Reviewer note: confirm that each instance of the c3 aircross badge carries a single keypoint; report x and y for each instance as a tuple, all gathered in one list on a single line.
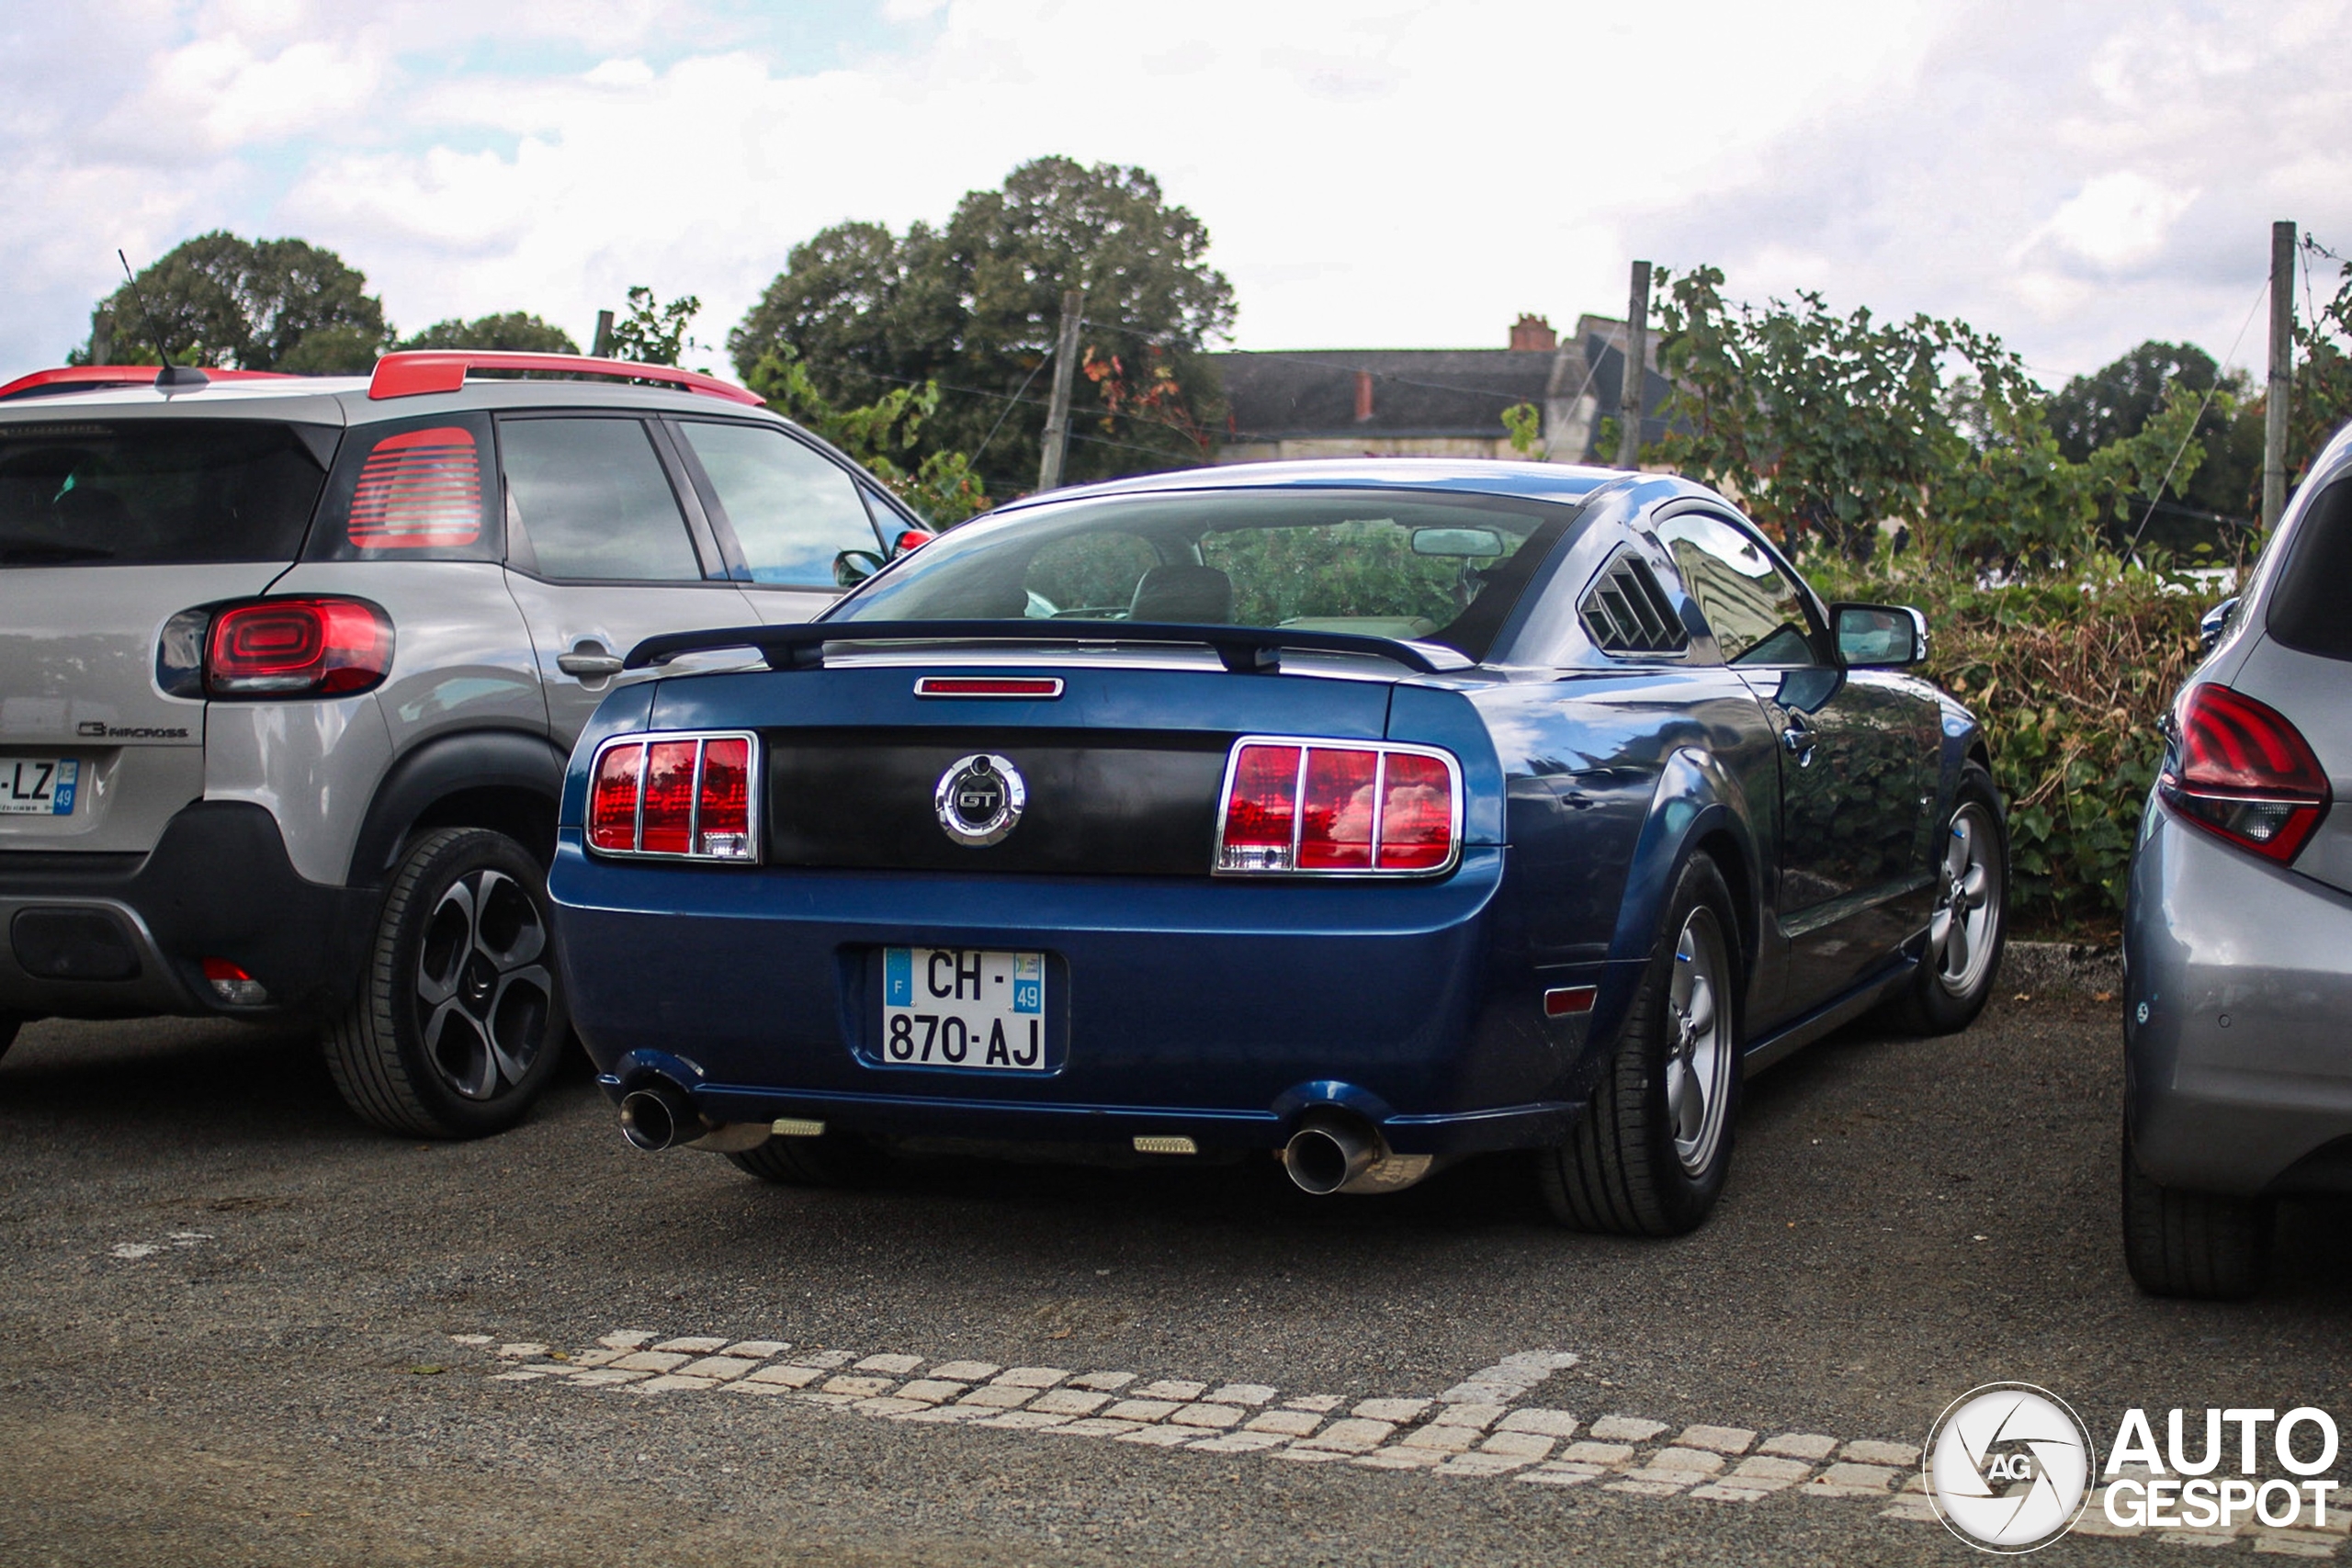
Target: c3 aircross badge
[(979, 799)]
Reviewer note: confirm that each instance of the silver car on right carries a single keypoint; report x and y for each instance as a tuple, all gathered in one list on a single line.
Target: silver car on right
[(2237, 937)]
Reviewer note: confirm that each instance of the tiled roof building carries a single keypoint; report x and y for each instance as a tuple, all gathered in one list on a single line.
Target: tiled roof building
[(1444, 402)]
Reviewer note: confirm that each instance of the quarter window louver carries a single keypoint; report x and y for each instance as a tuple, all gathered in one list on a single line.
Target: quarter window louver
[(419, 489), (1625, 611)]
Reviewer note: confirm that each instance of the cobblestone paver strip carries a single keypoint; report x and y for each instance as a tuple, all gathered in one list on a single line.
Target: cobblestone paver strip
[(1475, 1429)]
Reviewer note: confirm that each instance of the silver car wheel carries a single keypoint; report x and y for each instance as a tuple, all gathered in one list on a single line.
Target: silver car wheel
[(1968, 901), (1699, 1055), (484, 990)]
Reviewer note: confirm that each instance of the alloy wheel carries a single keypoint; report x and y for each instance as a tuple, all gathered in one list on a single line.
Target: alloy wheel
[(483, 990), (1699, 1055), (1968, 901)]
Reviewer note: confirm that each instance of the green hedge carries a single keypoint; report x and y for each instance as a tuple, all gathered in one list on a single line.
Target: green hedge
[(2070, 682)]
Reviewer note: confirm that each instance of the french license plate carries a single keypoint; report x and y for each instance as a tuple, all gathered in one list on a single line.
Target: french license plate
[(964, 1007), (37, 787)]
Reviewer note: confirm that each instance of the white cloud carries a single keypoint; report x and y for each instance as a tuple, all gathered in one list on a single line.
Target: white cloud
[(2116, 222), (2074, 177)]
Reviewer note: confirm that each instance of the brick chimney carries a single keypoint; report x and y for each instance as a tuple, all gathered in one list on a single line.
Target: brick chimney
[(1533, 334), (1363, 395)]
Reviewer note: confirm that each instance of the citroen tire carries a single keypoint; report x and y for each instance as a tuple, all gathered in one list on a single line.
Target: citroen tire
[(1650, 1154), (459, 1019)]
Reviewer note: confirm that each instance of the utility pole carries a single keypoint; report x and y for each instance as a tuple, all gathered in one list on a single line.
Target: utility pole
[(603, 346), (2282, 373), (1634, 385), (1049, 463)]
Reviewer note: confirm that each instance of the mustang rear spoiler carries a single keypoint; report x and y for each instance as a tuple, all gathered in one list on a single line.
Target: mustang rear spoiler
[(1244, 650)]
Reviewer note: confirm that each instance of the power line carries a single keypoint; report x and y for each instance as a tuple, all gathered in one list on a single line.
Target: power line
[(2157, 494)]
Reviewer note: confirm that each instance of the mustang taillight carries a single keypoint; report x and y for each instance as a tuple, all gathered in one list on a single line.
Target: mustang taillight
[(2239, 770), (1338, 807), (674, 797)]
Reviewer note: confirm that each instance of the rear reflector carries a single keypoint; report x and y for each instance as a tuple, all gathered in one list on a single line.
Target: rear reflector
[(1567, 1001), (1037, 688), (309, 647), (675, 797), (2240, 771), (233, 984), (1333, 807)]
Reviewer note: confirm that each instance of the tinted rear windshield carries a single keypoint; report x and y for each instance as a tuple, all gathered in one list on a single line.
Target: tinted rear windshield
[(2308, 613), (1413, 566), (154, 492)]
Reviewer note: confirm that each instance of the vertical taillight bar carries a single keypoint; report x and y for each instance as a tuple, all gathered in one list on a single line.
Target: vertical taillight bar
[(1337, 808), (687, 796)]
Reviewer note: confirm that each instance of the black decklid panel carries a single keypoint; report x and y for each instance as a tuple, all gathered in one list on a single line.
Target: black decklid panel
[(1112, 802)]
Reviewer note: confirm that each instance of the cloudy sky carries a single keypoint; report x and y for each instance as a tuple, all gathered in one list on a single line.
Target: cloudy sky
[(2074, 175)]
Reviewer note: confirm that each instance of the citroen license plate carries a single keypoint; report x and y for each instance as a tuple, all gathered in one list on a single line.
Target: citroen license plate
[(37, 787), (964, 1007)]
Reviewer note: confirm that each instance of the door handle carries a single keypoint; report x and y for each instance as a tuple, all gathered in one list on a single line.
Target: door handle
[(1800, 737), (589, 662)]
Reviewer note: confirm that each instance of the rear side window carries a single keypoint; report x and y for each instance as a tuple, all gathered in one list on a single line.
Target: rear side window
[(592, 499), (792, 509), (419, 489), (156, 493), (2307, 613)]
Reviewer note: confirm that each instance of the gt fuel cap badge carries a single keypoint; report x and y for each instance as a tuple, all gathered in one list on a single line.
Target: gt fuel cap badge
[(979, 799)]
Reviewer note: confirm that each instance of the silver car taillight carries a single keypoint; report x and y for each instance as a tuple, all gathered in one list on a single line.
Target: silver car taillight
[(677, 796)]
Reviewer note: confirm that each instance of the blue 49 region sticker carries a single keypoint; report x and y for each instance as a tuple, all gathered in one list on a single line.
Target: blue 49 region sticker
[(61, 794), (1029, 983)]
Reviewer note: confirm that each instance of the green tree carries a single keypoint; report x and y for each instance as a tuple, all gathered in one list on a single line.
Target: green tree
[(221, 301), (515, 330), (973, 306), (1829, 426), (654, 334), (2116, 401)]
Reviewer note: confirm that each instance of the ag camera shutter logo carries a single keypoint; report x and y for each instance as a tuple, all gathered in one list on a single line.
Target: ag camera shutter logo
[(2008, 1467)]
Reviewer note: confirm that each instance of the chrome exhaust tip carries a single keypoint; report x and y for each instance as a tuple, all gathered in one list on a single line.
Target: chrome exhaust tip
[(658, 1118), (1329, 1153)]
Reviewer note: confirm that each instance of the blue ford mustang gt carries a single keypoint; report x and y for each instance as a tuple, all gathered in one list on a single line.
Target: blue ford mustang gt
[(1375, 813)]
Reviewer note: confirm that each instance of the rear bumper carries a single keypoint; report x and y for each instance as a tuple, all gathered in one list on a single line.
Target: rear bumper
[(1220, 1010), (2239, 1077), (113, 936)]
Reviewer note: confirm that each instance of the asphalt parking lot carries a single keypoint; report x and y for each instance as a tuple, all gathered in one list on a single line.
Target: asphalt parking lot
[(237, 1327)]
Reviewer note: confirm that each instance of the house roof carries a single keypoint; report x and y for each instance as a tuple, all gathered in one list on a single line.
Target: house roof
[(1415, 391)]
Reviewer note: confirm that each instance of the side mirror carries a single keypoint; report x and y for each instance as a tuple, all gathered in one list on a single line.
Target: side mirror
[(2214, 624), (1878, 636), (854, 567)]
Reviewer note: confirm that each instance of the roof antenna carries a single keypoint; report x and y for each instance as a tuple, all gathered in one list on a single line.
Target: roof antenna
[(171, 375)]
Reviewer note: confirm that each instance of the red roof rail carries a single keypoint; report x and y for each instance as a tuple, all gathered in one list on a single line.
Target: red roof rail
[(419, 371), (73, 377)]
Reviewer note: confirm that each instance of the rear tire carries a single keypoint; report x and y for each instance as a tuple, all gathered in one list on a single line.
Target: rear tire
[(460, 1018), (837, 1159), (1650, 1154), (2191, 1243), (1970, 926)]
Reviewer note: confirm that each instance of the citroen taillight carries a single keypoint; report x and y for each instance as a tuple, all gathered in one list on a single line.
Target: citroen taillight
[(1334, 808), (299, 646), (675, 797), (2239, 770)]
